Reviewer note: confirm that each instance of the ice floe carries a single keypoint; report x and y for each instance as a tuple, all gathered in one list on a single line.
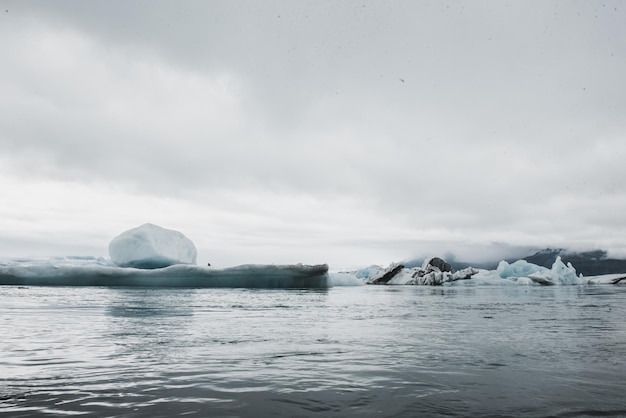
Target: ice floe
[(100, 272)]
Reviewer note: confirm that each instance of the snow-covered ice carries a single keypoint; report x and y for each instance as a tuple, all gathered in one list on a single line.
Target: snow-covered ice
[(150, 246)]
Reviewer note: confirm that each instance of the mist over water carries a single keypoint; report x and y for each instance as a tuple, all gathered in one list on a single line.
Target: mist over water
[(361, 351)]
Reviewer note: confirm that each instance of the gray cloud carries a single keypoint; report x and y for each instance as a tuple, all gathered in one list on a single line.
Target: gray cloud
[(489, 122)]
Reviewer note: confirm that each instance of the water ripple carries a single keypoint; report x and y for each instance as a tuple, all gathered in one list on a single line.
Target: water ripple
[(366, 351)]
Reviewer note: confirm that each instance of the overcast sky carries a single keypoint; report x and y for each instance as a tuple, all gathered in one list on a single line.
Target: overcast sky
[(345, 132)]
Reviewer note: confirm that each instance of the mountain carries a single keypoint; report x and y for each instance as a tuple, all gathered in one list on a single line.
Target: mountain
[(589, 263)]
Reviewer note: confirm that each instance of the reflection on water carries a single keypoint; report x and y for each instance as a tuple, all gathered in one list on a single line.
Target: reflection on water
[(362, 351), (161, 315)]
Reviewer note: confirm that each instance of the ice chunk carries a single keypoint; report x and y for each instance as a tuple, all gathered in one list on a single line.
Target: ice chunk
[(434, 272), (520, 268), (437, 263), (566, 274), (384, 276), (486, 278), (96, 273), (430, 274), (558, 274), (404, 276), (345, 279), (606, 279), (367, 272), (149, 246)]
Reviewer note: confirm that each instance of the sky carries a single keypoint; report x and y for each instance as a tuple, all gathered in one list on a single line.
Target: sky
[(343, 132)]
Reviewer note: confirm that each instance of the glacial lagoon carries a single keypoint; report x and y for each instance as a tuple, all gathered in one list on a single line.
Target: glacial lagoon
[(366, 351)]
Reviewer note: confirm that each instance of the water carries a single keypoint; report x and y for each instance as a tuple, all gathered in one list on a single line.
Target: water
[(368, 351)]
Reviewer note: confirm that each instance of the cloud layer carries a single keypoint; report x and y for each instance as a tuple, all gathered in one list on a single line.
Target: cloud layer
[(341, 132)]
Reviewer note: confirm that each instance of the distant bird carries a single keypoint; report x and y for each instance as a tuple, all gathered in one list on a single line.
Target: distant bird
[(402, 79)]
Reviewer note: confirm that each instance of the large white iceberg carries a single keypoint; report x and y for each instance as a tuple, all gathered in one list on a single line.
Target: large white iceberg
[(149, 247), (152, 256)]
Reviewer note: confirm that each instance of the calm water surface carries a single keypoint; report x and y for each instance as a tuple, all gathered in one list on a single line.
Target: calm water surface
[(355, 351)]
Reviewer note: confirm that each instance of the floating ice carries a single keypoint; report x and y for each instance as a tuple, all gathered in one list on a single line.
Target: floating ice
[(606, 279), (429, 274), (523, 272), (520, 272), (149, 246), (491, 278), (559, 274), (98, 272), (436, 263), (367, 272), (520, 268), (345, 279)]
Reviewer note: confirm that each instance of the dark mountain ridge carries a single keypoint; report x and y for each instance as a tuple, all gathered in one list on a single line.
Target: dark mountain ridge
[(589, 263)]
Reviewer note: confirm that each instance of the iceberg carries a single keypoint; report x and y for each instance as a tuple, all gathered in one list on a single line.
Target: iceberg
[(435, 272), (151, 256), (367, 272), (520, 268), (558, 274), (345, 279), (489, 278), (100, 272), (606, 279), (436, 263), (150, 246)]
